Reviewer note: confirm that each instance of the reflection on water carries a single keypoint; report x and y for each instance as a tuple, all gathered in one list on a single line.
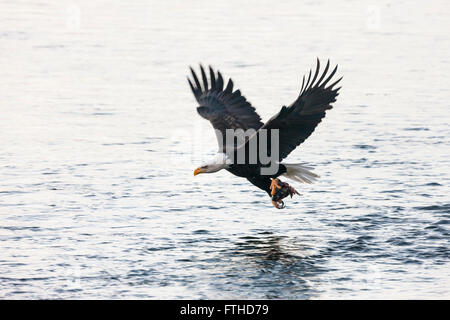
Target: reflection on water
[(268, 249), (282, 263)]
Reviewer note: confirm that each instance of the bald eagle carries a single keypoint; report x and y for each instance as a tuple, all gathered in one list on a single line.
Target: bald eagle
[(227, 109)]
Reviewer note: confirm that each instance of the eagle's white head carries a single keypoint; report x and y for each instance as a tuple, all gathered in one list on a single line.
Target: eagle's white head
[(219, 162)]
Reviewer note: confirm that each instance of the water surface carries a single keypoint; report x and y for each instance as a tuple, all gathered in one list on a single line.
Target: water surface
[(100, 137)]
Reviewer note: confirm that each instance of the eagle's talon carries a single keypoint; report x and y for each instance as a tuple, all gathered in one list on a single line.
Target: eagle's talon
[(278, 204)]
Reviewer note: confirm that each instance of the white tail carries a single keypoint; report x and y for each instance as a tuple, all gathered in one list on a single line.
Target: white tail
[(299, 172)]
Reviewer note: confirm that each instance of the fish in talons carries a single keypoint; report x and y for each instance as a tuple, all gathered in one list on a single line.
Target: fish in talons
[(279, 191)]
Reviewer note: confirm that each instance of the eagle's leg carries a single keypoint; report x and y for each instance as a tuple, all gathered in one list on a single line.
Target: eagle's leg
[(275, 185), (279, 204)]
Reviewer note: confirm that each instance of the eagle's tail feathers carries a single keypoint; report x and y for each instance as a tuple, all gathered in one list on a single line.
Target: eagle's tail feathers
[(299, 172)]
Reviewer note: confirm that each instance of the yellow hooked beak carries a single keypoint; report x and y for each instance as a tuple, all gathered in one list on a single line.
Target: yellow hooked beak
[(197, 171)]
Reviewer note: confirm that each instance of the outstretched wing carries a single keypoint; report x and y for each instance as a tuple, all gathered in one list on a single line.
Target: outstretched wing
[(223, 107), (296, 122)]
